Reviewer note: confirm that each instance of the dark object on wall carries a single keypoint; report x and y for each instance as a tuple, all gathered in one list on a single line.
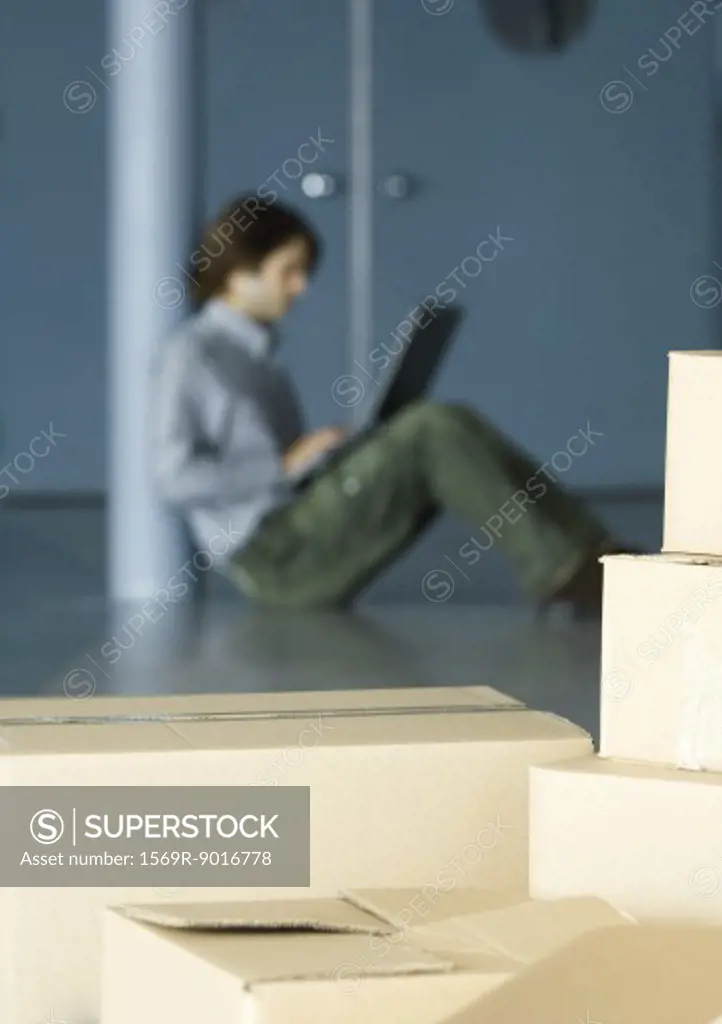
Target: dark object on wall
[(537, 25)]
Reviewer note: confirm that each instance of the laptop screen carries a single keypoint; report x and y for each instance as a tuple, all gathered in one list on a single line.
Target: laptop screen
[(410, 375)]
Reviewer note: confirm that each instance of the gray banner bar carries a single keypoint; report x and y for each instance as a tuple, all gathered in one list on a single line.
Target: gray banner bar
[(160, 836)]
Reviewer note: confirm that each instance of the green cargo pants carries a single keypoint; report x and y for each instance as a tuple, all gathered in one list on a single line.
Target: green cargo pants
[(321, 549)]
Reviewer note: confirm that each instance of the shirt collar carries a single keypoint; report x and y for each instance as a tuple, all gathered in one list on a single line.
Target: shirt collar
[(258, 338)]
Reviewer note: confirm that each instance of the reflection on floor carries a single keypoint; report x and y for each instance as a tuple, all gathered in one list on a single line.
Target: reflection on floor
[(57, 634)]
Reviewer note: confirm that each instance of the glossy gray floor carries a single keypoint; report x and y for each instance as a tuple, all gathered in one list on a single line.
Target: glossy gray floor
[(430, 621)]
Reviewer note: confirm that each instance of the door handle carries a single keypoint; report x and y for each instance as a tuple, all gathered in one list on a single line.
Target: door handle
[(395, 186), (319, 186)]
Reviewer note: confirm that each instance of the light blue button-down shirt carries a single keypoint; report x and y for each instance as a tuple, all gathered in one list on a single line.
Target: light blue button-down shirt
[(225, 412)]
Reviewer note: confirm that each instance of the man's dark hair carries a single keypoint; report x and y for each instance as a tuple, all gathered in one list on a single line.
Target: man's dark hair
[(241, 236)]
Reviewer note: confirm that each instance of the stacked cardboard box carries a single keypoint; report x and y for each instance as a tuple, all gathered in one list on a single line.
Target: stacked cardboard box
[(415, 787), (355, 959), (641, 825)]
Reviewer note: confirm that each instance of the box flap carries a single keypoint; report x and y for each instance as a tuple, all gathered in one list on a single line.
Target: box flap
[(314, 915), (407, 908), (488, 923), (278, 940), (262, 943), (524, 931)]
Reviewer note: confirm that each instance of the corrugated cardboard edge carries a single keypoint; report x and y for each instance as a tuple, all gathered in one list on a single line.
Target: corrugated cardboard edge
[(171, 917), (688, 558), (163, 917), (431, 965)]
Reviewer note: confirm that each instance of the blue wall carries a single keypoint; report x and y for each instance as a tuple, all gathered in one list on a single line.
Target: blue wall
[(614, 223), (611, 213), (52, 189)]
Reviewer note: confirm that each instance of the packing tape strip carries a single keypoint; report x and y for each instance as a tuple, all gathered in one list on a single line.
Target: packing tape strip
[(251, 716), (699, 745)]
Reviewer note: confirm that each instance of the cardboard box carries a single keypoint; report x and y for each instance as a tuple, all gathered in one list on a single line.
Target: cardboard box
[(646, 839), (693, 487), (650, 974), (661, 692), (328, 960), (407, 787)]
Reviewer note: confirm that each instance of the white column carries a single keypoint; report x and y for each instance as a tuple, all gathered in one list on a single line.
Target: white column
[(361, 207), (152, 160)]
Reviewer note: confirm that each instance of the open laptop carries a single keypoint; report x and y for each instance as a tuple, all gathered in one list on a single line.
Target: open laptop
[(408, 379)]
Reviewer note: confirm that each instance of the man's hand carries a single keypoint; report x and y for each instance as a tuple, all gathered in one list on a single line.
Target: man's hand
[(310, 447)]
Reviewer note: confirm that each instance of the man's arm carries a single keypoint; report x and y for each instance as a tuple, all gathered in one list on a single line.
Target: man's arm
[(189, 409)]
